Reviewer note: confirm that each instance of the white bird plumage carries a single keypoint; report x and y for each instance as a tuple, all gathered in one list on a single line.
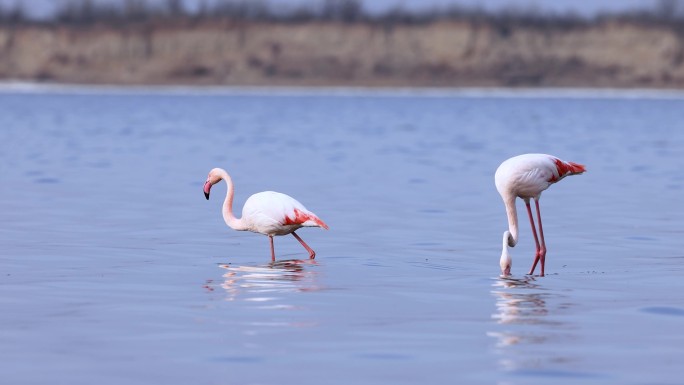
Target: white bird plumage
[(526, 176), (270, 213)]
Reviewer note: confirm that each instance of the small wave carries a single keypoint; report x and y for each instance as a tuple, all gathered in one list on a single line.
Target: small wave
[(664, 310)]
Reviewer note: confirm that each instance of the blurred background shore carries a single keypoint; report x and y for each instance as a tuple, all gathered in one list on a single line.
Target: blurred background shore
[(340, 43)]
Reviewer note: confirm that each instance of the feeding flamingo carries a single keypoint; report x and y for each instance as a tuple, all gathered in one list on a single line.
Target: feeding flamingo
[(268, 212), (526, 176)]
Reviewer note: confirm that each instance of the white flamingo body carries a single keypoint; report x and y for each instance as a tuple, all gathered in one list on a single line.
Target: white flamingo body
[(526, 177), (270, 213), (273, 213)]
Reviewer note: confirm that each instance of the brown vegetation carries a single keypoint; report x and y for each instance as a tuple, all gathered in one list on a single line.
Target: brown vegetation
[(342, 46)]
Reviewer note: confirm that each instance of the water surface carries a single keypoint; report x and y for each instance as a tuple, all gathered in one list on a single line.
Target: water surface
[(115, 269)]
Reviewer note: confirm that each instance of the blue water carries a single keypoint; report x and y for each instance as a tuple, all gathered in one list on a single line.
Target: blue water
[(115, 269)]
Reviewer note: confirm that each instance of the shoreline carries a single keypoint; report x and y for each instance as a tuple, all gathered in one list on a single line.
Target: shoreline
[(22, 87)]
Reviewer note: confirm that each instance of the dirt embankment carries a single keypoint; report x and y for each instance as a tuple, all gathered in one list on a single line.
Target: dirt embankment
[(449, 53)]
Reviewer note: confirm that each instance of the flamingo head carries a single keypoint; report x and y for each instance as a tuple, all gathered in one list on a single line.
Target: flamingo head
[(506, 261), (214, 177)]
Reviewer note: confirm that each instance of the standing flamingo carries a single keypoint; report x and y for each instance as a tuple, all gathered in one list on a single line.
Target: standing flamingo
[(526, 176), (268, 212)]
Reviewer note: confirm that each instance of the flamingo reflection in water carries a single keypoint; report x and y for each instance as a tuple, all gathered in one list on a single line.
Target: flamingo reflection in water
[(264, 284), (528, 326), (517, 308)]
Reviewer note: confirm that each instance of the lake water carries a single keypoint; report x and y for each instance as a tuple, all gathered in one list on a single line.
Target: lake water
[(114, 269)]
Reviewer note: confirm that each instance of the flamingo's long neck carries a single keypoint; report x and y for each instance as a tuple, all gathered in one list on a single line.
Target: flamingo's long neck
[(511, 236), (227, 210)]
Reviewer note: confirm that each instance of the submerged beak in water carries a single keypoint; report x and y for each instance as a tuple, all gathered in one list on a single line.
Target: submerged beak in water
[(207, 189)]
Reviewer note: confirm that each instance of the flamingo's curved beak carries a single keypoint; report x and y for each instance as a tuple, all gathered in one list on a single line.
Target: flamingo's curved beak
[(207, 189)]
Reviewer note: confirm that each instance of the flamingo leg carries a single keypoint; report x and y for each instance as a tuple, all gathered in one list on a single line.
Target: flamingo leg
[(542, 251), (537, 254), (312, 254), (270, 238)]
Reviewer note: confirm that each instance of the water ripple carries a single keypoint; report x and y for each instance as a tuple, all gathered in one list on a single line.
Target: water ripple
[(664, 310)]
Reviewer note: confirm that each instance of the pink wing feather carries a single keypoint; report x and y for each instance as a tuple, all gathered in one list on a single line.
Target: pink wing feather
[(301, 218)]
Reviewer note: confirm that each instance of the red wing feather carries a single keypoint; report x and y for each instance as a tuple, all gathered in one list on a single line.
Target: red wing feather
[(302, 217), (576, 168), (566, 168)]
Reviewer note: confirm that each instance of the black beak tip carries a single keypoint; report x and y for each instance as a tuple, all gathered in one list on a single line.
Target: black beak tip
[(206, 195)]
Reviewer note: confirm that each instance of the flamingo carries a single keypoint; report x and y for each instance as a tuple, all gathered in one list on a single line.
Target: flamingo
[(526, 176), (270, 213)]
